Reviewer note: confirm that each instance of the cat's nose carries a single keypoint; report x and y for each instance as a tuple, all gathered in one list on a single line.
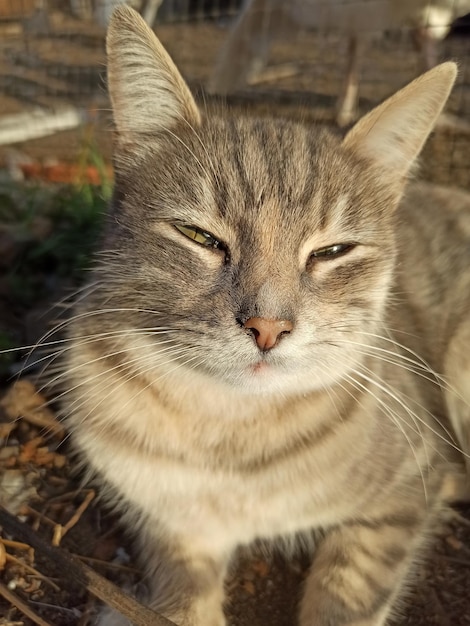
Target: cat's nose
[(267, 333)]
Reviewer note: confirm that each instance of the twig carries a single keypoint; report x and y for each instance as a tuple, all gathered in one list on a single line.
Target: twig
[(60, 531), (108, 564), (67, 496), (18, 546), (22, 606), (31, 570), (39, 516), (74, 572)]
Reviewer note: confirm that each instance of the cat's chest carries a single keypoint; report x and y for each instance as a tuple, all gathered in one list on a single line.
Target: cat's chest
[(226, 507), (215, 476)]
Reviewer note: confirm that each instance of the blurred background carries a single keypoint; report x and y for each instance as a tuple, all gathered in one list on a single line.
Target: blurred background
[(323, 60), (292, 57)]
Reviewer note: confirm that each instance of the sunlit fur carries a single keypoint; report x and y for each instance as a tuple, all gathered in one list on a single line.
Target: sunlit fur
[(204, 441)]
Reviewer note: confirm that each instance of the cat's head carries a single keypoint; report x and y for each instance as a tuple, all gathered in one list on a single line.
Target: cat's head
[(262, 249)]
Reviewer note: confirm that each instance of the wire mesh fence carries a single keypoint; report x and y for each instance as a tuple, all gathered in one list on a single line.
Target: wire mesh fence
[(289, 57)]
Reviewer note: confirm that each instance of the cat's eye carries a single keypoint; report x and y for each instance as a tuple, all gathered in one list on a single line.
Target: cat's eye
[(200, 236), (331, 252)]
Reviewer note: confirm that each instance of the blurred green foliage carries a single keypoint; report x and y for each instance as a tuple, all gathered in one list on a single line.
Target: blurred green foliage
[(47, 235)]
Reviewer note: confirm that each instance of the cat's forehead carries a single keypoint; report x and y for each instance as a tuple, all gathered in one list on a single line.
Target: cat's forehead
[(231, 172), (271, 150), (280, 168)]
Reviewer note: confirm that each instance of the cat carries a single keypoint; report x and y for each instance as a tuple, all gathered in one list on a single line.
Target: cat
[(275, 341)]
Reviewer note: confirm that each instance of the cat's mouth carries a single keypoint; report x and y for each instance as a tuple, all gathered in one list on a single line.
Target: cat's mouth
[(260, 367)]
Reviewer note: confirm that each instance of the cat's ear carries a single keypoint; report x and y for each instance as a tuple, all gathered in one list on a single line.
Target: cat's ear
[(393, 133), (147, 92)]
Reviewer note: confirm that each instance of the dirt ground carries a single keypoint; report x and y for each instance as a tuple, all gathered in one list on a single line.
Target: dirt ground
[(67, 66)]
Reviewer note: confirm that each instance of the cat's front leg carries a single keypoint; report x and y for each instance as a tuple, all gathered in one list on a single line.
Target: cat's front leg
[(359, 569), (186, 584), (183, 585)]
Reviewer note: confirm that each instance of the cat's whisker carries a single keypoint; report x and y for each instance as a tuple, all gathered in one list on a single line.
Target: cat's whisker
[(76, 295), (127, 380), (449, 440), (396, 420), (412, 414), (104, 357), (143, 389), (132, 366), (370, 353), (42, 341), (396, 415), (371, 350), (180, 364), (66, 372), (401, 346), (68, 343), (419, 363), (395, 358)]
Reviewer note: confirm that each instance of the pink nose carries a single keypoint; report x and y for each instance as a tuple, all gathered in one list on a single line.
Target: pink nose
[(267, 333)]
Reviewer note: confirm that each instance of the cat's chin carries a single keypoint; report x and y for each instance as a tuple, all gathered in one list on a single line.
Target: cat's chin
[(289, 376), (262, 377)]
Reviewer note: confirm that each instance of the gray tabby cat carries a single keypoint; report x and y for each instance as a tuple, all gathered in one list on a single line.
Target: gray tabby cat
[(272, 342)]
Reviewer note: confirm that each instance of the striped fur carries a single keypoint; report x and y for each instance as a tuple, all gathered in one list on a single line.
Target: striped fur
[(205, 441)]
